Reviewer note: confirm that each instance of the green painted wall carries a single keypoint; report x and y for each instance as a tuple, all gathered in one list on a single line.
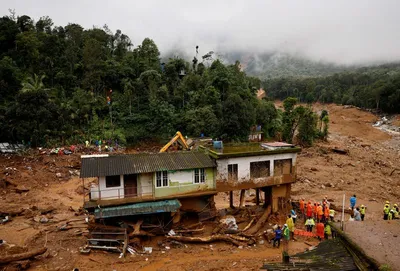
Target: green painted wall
[(185, 185)]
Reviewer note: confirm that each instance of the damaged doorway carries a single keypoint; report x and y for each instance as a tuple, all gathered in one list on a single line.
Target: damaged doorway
[(130, 185)]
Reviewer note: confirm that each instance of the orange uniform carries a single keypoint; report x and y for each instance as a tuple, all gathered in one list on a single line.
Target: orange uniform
[(320, 212), (309, 209), (315, 209), (302, 206), (320, 230), (326, 212)]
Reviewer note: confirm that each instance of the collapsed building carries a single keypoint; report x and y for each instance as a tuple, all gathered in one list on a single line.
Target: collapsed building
[(266, 167), (145, 184), (157, 183)]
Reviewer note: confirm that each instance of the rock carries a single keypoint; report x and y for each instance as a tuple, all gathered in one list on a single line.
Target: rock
[(307, 181), (323, 186), (43, 219), (395, 235), (58, 175), (314, 169)]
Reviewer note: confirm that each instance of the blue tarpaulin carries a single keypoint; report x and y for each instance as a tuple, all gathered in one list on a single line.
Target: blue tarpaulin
[(141, 208)]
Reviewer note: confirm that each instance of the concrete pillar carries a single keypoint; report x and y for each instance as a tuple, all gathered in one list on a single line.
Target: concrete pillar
[(231, 199)]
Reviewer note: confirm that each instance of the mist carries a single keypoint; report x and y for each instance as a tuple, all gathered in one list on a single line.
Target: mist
[(356, 32)]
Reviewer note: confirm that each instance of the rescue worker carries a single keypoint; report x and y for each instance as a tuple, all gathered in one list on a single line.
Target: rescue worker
[(332, 214), (293, 215), (353, 201), (290, 225), (320, 230), (320, 213), (395, 211), (386, 211), (302, 206), (327, 231), (286, 237), (357, 215), (278, 236), (362, 212), (326, 213), (310, 223), (315, 210), (309, 209)]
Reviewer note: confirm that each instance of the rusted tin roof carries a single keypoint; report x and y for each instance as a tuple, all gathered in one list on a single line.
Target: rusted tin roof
[(143, 163)]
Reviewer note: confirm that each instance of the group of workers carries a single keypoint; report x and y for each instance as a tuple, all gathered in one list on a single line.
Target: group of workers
[(317, 214), (107, 147), (390, 213), (317, 210)]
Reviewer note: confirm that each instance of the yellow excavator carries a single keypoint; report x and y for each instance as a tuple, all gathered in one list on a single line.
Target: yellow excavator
[(178, 138)]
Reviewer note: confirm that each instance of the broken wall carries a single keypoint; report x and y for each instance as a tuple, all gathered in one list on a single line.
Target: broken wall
[(282, 169)]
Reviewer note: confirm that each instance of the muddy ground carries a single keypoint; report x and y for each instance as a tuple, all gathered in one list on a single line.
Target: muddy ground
[(45, 191)]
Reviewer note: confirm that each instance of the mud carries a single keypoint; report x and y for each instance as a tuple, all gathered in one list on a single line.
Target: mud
[(367, 172)]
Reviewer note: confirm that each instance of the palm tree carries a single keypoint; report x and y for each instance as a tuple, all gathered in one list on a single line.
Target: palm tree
[(33, 84)]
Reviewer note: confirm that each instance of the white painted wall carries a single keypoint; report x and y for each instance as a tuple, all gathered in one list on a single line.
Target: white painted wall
[(107, 192), (145, 184), (181, 177), (244, 164)]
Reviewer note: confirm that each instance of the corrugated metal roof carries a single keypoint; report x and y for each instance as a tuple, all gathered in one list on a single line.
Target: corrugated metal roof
[(138, 209), (143, 163)]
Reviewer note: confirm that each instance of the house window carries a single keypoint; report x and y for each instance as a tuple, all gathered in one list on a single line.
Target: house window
[(161, 178), (259, 169), (233, 172), (113, 181), (283, 166), (199, 176)]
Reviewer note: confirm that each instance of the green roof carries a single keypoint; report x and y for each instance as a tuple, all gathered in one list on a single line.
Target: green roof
[(245, 149), (140, 208)]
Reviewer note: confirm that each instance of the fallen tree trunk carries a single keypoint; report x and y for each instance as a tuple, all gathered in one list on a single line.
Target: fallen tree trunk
[(208, 239), (249, 225), (260, 222), (22, 256), (189, 231)]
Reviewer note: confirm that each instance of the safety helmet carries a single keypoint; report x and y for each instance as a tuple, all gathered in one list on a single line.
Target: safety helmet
[(362, 206), (285, 225), (395, 205), (387, 202)]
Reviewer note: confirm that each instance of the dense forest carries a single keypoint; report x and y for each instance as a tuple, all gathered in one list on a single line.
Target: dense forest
[(62, 85), (371, 87)]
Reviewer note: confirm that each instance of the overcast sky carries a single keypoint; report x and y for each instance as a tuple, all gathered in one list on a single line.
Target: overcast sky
[(344, 32)]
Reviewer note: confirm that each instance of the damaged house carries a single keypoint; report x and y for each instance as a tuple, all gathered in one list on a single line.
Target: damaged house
[(170, 183), (149, 183), (266, 167)]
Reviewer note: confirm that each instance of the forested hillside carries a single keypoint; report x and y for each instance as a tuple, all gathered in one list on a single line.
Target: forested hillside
[(69, 84), (371, 87)]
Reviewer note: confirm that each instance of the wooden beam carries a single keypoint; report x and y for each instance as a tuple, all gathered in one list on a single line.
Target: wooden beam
[(257, 196), (242, 194), (22, 256)]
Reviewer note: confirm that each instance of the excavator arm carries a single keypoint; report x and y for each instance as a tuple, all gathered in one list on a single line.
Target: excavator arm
[(177, 138)]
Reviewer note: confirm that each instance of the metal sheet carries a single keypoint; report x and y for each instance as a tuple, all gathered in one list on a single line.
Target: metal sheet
[(143, 163), (141, 208)]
